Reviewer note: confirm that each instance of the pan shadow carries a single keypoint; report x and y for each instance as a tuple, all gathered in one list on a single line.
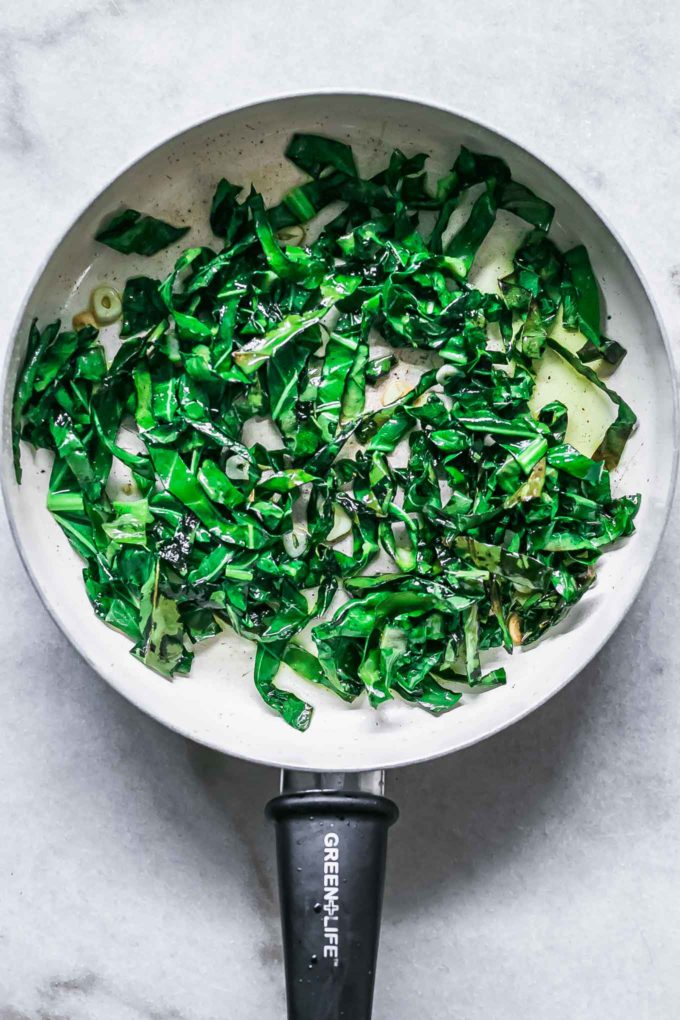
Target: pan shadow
[(239, 791)]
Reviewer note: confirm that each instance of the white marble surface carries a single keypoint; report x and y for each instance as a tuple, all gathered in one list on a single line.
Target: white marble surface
[(536, 875)]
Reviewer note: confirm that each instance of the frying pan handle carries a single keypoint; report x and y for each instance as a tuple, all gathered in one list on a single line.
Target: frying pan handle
[(331, 841)]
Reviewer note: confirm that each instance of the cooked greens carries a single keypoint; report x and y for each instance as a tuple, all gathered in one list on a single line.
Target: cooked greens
[(451, 518), (131, 231)]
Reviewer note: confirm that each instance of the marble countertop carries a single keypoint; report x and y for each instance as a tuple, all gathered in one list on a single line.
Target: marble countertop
[(534, 875)]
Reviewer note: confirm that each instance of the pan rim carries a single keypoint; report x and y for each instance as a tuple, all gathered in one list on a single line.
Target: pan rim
[(393, 762)]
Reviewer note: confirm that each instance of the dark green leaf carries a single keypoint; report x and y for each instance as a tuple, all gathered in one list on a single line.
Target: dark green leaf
[(143, 307), (130, 231), (315, 153)]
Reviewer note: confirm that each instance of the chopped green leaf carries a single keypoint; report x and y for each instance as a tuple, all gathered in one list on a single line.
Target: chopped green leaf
[(130, 232)]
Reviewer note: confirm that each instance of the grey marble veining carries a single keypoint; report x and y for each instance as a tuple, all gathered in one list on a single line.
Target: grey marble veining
[(534, 875)]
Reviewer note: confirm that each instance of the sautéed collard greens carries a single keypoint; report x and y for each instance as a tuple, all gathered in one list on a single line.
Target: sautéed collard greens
[(451, 518)]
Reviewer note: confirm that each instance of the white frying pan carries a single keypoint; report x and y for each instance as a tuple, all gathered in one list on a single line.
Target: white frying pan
[(332, 844)]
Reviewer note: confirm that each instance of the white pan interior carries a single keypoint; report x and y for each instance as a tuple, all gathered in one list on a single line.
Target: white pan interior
[(217, 704)]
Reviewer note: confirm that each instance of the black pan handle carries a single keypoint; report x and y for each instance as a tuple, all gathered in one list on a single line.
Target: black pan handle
[(331, 846)]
